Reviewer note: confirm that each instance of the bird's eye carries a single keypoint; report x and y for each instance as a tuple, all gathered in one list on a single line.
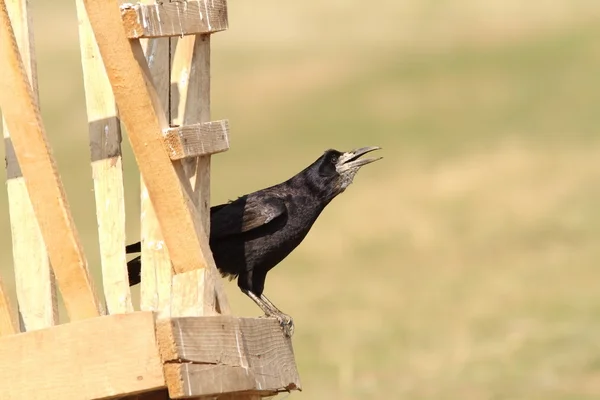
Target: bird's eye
[(334, 159)]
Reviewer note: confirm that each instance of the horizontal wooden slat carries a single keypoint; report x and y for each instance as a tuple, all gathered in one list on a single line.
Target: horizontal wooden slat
[(197, 140), (177, 18), (222, 354), (91, 359), (21, 111)]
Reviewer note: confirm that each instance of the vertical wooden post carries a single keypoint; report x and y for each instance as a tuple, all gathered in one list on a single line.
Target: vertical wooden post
[(156, 263), (107, 169), (36, 290), (191, 76)]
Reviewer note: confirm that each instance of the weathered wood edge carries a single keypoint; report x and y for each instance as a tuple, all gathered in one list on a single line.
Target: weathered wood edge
[(177, 18), (222, 354), (197, 140)]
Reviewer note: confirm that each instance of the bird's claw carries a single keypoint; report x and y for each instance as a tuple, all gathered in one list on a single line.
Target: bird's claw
[(286, 322)]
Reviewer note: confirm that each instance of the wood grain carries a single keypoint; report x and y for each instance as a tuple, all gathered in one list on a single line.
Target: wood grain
[(177, 18), (156, 263), (213, 355), (91, 359), (22, 114), (35, 286), (144, 119), (198, 139), (107, 169)]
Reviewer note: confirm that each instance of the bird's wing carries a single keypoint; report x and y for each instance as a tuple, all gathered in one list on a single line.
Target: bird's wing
[(245, 214)]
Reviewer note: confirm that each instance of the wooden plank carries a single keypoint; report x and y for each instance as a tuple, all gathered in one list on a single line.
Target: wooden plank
[(191, 76), (197, 140), (21, 111), (35, 287), (107, 169), (91, 359), (213, 355), (144, 119), (8, 318), (156, 263), (177, 18)]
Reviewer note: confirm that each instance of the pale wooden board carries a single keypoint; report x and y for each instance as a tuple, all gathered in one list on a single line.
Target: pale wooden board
[(21, 111), (177, 18), (155, 292), (8, 318), (191, 76), (35, 287), (107, 169), (221, 354), (144, 119), (198, 139), (91, 359)]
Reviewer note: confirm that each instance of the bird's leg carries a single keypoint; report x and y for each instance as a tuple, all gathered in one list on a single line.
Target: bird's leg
[(271, 311), (284, 319), (259, 302)]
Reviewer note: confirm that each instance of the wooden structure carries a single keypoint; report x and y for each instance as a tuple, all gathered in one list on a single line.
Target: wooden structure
[(147, 65)]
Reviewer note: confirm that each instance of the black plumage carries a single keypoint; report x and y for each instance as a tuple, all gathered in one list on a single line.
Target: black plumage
[(251, 235)]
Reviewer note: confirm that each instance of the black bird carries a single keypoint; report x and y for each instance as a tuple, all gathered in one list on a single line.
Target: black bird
[(252, 234)]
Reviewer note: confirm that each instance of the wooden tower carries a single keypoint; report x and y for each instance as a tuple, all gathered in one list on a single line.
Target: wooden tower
[(146, 65)]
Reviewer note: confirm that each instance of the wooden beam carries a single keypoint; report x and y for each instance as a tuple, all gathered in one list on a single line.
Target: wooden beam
[(92, 359), (191, 76), (156, 273), (21, 111), (144, 119), (35, 286), (177, 18), (8, 318), (222, 354), (197, 140), (107, 169)]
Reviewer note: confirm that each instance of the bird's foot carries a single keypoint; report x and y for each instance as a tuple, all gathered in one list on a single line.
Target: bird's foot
[(287, 324), (285, 321)]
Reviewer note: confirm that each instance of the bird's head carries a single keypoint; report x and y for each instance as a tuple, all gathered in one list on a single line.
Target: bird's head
[(336, 169)]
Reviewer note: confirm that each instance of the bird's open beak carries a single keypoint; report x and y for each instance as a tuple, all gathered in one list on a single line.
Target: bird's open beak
[(351, 159)]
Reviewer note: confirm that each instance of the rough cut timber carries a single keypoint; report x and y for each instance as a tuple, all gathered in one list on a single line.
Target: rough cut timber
[(145, 121), (197, 140), (92, 359), (207, 356), (107, 169), (177, 18), (35, 286), (21, 112)]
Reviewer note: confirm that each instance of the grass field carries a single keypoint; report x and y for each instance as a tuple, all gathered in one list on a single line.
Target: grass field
[(462, 266)]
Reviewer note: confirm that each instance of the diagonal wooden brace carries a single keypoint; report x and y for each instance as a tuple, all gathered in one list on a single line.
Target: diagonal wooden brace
[(21, 112), (144, 120)]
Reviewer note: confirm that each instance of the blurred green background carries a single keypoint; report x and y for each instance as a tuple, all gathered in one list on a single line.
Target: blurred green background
[(463, 265)]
